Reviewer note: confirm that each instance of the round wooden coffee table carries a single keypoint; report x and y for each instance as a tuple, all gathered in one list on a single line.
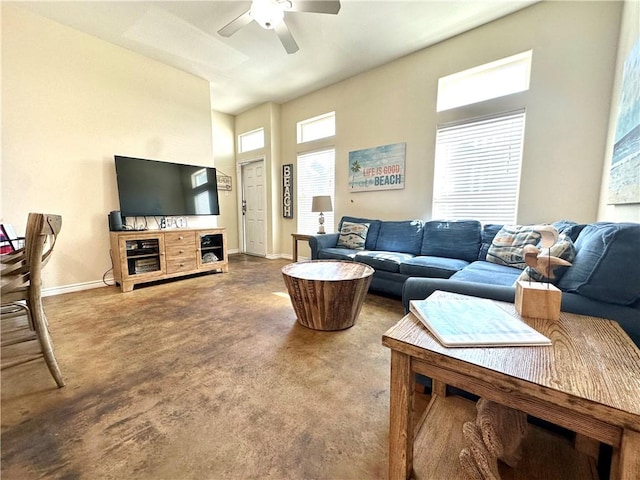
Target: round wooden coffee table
[(327, 294)]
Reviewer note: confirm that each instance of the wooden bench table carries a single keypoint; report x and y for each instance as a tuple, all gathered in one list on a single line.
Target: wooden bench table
[(587, 381)]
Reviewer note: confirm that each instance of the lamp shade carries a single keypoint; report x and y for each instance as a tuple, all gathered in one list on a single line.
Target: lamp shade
[(321, 203)]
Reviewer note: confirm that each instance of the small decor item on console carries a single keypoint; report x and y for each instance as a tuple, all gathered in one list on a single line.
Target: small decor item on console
[(540, 299), (209, 257)]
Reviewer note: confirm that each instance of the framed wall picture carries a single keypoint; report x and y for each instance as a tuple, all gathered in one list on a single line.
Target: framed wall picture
[(378, 168), (287, 190), (624, 174), (224, 182)]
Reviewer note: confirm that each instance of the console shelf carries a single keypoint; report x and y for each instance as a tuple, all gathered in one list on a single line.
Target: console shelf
[(141, 257)]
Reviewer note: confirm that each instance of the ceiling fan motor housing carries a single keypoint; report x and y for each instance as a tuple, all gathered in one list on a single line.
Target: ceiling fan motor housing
[(268, 13)]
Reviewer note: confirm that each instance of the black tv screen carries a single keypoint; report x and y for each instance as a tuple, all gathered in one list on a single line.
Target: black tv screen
[(154, 188)]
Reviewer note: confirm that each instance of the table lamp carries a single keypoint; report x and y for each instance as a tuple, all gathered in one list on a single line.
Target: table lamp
[(321, 204)]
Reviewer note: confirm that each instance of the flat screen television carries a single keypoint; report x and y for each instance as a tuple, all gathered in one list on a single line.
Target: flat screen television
[(155, 188)]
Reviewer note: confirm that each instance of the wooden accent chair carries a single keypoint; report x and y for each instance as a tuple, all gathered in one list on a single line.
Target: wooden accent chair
[(21, 291)]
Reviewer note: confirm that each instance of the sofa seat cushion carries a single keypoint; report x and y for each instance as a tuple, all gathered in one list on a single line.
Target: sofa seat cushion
[(383, 261), (404, 236), (337, 253), (433, 267), (489, 273), (372, 233), (459, 239), (607, 263)]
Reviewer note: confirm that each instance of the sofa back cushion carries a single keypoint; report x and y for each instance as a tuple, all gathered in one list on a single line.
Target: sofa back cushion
[(489, 231), (404, 236), (569, 228), (452, 239), (372, 233), (607, 263)]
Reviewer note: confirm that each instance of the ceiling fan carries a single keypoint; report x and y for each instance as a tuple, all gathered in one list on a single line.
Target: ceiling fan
[(269, 14)]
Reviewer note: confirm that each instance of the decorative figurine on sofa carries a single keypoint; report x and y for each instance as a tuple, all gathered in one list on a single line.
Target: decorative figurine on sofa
[(540, 299), (541, 260)]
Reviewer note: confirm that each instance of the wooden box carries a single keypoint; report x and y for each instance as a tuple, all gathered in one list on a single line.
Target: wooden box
[(538, 300)]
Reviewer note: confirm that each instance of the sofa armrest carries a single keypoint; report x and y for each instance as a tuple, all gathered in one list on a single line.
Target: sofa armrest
[(417, 288), (318, 242), (628, 317)]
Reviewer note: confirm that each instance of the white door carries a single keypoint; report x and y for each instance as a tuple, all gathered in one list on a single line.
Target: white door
[(253, 211)]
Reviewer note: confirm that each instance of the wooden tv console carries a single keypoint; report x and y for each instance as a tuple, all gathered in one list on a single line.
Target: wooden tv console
[(150, 255)]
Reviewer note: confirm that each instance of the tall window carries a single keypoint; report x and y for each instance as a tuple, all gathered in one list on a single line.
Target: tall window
[(316, 176), (479, 148), (316, 171), (477, 169), (252, 140)]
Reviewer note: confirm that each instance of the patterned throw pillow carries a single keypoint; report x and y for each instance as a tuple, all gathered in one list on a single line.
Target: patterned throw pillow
[(564, 249), (506, 247), (353, 235)]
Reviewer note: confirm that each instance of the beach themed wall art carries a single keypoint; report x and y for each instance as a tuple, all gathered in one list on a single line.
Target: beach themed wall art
[(624, 178), (378, 168)]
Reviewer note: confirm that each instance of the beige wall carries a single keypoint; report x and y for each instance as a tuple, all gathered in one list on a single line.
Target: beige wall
[(629, 35), (70, 102), (568, 104), (225, 161)]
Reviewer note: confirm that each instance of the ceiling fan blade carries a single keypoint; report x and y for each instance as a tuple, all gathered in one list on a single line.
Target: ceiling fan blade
[(286, 38), (315, 6), (234, 25)]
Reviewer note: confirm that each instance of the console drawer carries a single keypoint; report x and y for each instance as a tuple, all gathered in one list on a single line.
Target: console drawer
[(180, 238), (181, 264), (187, 251)]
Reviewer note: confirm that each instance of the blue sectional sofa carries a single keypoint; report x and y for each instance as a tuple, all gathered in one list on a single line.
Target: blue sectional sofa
[(412, 259)]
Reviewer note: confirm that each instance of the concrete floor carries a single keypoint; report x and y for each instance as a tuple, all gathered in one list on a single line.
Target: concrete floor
[(209, 378)]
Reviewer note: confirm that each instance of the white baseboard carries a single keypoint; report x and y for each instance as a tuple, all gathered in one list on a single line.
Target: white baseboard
[(76, 287)]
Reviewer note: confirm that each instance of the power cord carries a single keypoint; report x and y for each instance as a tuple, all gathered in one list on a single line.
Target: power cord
[(104, 276)]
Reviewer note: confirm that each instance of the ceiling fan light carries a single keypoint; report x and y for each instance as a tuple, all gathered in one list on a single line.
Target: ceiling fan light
[(267, 13)]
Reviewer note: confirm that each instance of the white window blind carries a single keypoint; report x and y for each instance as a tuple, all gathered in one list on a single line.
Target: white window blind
[(477, 169), (316, 176), (251, 140)]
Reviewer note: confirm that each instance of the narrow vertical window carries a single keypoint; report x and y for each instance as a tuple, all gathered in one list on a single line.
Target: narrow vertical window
[(316, 176)]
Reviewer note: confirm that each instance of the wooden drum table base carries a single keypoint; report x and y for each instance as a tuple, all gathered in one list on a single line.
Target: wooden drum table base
[(327, 294)]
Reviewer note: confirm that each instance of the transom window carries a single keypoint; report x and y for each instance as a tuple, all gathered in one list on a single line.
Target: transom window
[(491, 80), (252, 140), (322, 126)]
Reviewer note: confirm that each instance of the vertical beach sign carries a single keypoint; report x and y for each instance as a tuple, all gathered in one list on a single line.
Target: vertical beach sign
[(287, 190)]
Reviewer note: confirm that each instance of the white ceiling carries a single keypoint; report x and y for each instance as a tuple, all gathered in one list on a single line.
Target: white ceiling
[(251, 67)]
